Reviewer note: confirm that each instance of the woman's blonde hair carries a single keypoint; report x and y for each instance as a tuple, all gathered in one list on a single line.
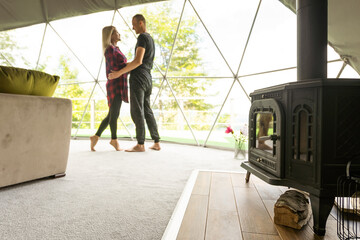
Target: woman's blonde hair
[(106, 36)]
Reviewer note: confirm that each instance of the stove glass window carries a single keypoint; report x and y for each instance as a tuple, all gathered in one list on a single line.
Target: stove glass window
[(265, 127)]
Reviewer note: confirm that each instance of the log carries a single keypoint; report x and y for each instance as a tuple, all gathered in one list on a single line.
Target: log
[(292, 209)]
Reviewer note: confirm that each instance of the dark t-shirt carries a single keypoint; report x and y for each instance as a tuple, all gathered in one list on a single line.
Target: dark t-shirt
[(142, 74)]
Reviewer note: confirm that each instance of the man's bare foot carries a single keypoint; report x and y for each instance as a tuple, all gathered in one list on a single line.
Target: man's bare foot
[(93, 140), (115, 144), (136, 148), (155, 147)]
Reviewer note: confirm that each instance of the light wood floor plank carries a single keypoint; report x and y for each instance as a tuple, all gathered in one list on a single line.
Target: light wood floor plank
[(238, 180), (253, 215), (194, 221), (254, 236), (202, 185), (306, 232), (222, 225), (268, 192), (257, 180), (223, 206), (221, 192), (287, 233), (331, 228)]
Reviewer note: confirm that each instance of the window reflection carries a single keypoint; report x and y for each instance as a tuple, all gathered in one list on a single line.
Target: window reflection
[(302, 135), (264, 128), (302, 131)]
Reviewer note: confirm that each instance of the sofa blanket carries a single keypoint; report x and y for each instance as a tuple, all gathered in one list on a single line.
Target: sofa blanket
[(35, 136)]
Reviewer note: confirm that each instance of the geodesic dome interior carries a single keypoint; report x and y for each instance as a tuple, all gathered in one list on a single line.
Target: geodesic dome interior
[(210, 56)]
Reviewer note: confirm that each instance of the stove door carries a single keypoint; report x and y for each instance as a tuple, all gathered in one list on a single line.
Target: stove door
[(266, 121)]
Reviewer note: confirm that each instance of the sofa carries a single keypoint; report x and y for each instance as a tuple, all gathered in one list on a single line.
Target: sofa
[(35, 130)]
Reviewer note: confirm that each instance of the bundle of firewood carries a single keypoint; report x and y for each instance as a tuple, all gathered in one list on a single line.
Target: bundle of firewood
[(292, 209)]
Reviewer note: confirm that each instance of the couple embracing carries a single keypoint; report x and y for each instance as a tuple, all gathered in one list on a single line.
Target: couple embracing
[(117, 69)]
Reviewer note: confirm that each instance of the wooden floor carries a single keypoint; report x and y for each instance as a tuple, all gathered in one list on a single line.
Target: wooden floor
[(223, 206)]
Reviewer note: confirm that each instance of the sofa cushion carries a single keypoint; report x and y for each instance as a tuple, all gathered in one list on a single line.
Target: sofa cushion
[(30, 82)]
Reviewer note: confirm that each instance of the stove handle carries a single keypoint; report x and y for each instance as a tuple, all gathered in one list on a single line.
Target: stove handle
[(271, 137)]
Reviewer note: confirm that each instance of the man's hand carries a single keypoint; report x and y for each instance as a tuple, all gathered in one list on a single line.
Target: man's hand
[(113, 74)]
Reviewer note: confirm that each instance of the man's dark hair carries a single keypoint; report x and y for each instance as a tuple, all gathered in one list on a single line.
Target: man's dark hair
[(140, 17)]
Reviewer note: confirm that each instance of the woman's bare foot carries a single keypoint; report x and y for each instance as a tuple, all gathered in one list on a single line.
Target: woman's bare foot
[(155, 147), (115, 144), (93, 141), (136, 148)]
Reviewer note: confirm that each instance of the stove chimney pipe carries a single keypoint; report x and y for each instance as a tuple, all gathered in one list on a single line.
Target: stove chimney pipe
[(312, 32)]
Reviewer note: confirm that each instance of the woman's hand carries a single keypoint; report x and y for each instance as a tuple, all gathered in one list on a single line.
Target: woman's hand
[(114, 74)]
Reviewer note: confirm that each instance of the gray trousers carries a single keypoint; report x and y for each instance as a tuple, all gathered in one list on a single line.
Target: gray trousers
[(140, 108)]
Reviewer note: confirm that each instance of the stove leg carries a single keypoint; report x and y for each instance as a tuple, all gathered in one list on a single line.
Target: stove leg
[(321, 207), (247, 177)]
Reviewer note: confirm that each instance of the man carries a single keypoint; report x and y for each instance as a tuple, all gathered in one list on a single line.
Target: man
[(141, 85)]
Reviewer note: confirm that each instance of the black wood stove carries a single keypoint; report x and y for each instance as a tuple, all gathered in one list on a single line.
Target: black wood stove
[(302, 134)]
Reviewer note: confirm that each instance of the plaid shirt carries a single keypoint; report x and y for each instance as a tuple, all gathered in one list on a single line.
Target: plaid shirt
[(116, 60)]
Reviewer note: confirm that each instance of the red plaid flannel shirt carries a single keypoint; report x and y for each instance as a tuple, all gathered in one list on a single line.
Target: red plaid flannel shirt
[(116, 60)]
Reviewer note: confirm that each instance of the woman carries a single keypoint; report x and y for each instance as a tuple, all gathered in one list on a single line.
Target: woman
[(117, 89)]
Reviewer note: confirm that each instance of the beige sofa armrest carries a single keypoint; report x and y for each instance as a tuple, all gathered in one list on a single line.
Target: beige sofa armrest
[(34, 137)]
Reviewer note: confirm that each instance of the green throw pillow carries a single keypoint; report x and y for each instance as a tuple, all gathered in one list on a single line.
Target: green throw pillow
[(29, 82)]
